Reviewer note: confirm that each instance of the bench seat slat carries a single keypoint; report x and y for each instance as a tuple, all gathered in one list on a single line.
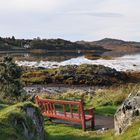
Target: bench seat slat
[(60, 114)]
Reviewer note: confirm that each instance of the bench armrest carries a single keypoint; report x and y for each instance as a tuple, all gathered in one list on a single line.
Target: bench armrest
[(90, 110)]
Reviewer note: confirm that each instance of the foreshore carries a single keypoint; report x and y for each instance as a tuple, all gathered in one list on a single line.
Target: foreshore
[(56, 88)]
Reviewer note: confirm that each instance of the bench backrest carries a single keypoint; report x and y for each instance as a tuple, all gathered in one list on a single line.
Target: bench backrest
[(49, 106)]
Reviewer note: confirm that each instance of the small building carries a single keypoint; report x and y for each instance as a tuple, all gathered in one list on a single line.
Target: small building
[(27, 46)]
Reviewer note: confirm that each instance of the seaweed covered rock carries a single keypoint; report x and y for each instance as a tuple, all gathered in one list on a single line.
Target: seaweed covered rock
[(88, 74), (83, 74), (22, 121)]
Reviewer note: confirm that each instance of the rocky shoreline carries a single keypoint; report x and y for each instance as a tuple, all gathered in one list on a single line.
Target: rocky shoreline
[(58, 88), (91, 75)]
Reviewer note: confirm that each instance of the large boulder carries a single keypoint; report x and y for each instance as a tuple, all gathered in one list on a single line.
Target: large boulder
[(127, 113)]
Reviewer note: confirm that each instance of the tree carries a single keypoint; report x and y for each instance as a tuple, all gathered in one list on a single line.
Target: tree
[(10, 85), (13, 38)]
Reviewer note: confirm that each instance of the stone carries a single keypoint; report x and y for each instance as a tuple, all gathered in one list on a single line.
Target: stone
[(31, 122), (38, 123), (127, 113)]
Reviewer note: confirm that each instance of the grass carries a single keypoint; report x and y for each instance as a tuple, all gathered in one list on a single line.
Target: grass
[(64, 132), (106, 110), (3, 106)]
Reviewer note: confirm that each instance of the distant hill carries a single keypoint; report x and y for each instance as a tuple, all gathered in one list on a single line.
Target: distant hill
[(8, 44), (61, 44), (115, 45)]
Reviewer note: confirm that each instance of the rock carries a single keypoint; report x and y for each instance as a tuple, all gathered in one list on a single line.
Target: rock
[(38, 123), (102, 130), (127, 113), (89, 74), (30, 122)]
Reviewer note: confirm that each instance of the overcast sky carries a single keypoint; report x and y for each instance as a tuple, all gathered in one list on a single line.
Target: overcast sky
[(70, 19)]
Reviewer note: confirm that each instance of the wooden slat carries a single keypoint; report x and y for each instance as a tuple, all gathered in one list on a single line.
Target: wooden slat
[(41, 106), (63, 118), (47, 105), (54, 109), (64, 110), (51, 108), (79, 112), (71, 111)]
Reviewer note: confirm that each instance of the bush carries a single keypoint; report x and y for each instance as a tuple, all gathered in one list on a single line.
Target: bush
[(10, 85)]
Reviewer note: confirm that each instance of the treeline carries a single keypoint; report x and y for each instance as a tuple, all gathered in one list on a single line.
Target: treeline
[(57, 44), (48, 44), (11, 43)]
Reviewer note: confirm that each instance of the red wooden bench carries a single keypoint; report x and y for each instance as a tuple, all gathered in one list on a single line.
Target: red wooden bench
[(50, 109)]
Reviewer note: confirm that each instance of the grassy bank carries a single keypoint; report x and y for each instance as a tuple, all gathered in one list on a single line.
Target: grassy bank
[(12, 118)]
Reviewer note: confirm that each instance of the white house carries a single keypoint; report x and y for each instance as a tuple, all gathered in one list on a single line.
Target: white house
[(27, 46)]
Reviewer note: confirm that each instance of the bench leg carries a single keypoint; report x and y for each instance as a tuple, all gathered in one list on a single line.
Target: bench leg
[(83, 125), (50, 119), (92, 123), (93, 119)]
